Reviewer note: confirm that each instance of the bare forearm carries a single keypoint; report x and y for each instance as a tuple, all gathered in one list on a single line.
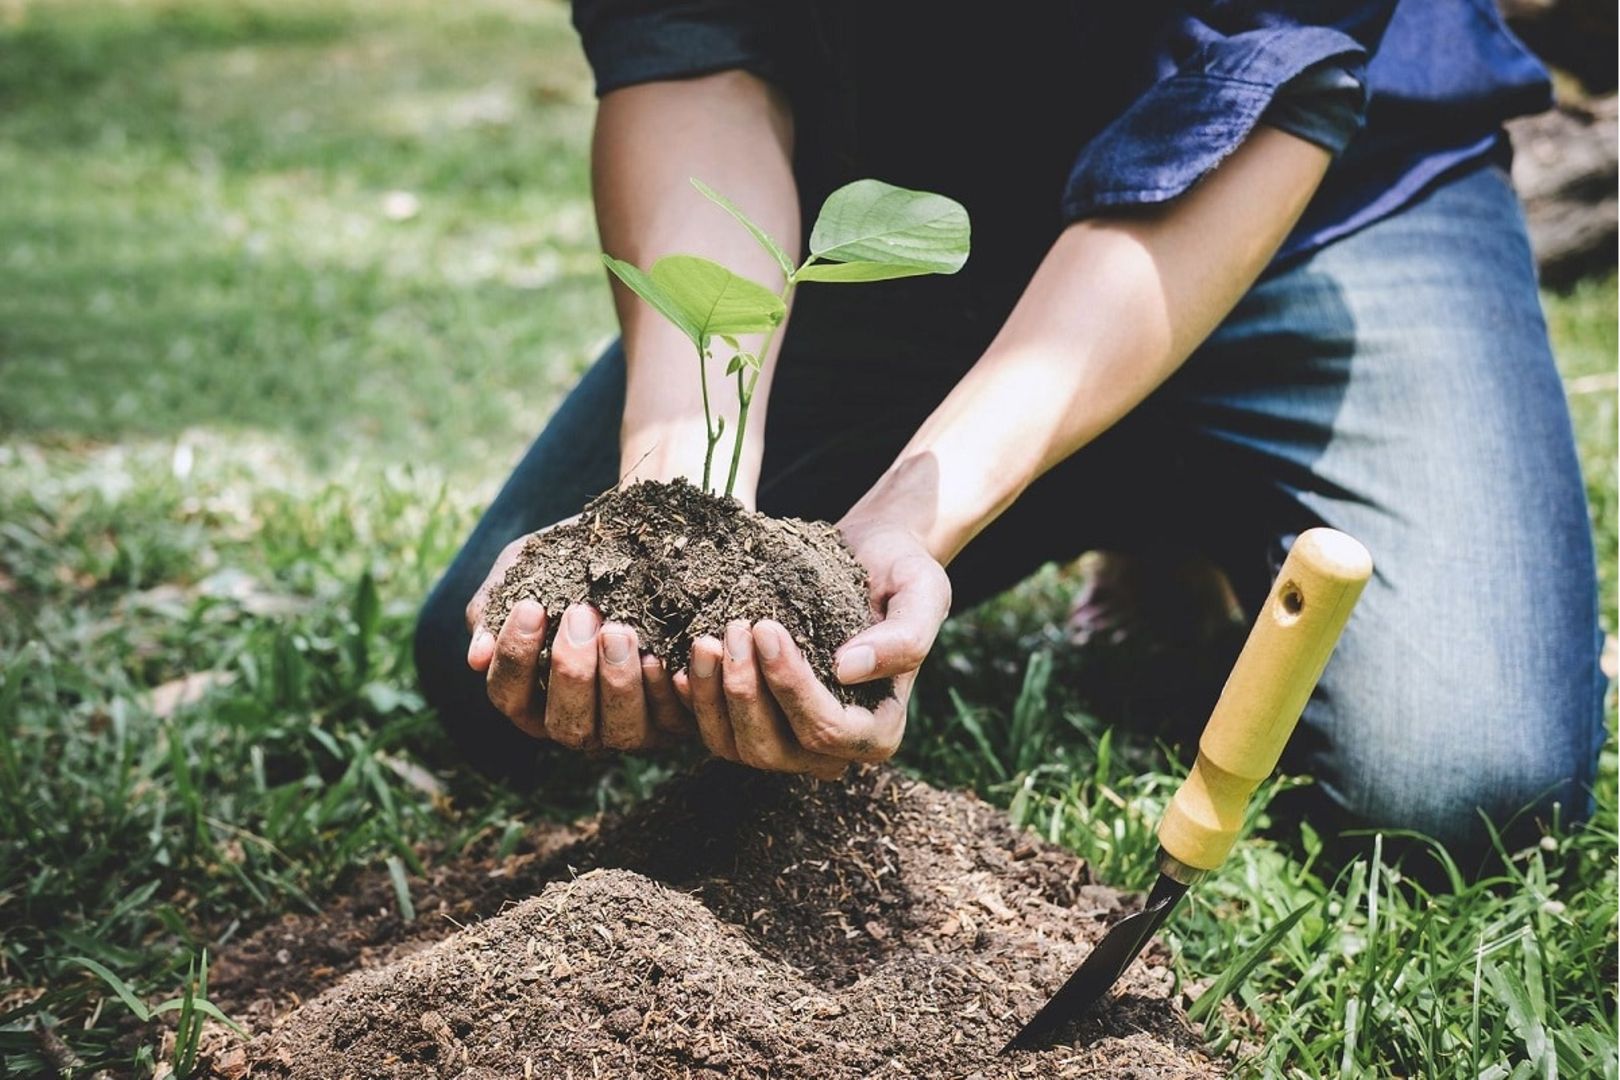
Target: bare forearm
[(1114, 310), (734, 132)]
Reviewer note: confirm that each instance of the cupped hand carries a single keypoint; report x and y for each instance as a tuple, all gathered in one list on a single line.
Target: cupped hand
[(600, 690), (757, 700)]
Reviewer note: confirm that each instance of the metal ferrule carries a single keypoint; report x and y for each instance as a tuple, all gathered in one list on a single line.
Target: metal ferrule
[(1178, 871)]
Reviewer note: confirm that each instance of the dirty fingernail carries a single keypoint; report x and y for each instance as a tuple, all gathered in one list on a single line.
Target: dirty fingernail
[(615, 646), (737, 641), (768, 640), (480, 642), (856, 663), (702, 664), (581, 623), (526, 617)]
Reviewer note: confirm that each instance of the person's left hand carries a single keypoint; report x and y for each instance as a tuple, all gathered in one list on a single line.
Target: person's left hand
[(758, 702)]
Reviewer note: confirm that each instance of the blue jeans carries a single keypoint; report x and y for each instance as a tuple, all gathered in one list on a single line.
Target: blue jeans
[(1397, 385)]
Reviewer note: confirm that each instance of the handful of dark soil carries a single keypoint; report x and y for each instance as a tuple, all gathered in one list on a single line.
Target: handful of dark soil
[(677, 563)]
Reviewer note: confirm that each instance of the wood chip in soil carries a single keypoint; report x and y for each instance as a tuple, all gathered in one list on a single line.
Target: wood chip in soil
[(735, 923)]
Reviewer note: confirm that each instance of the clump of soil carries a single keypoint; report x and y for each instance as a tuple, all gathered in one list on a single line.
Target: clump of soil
[(677, 563), (734, 924)]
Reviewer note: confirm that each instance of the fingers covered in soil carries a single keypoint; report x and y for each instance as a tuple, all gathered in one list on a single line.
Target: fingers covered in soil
[(677, 564)]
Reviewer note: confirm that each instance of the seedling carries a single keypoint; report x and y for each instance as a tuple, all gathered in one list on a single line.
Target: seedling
[(866, 231)]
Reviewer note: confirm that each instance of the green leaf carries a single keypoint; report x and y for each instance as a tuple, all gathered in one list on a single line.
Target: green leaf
[(969, 722), (764, 238), (367, 606), (119, 987), (858, 271), (715, 300), (740, 362), (202, 1005), (1239, 970), (870, 222), (402, 888), (700, 297), (1523, 1014), (644, 287)]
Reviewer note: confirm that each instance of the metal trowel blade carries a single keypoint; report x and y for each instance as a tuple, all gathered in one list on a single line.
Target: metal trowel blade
[(1100, 970)]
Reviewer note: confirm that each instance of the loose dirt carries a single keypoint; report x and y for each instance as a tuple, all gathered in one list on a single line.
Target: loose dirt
[(733, 924), (677, 563)]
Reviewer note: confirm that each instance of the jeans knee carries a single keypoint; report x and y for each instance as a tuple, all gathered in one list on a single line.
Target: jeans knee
[(1517, 776), (1441, 714), (439, 645)]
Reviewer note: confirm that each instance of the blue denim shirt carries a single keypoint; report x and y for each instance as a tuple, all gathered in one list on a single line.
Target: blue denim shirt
[(1047, 113)]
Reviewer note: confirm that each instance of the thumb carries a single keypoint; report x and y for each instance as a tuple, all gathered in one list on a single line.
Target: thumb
[(911, 619)]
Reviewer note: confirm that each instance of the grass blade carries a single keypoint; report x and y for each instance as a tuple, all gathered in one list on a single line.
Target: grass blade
[(119, 987), (402, 888), (1234, 976)]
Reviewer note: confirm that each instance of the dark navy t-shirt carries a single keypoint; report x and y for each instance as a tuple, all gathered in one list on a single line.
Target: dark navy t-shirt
[(1036, 113)]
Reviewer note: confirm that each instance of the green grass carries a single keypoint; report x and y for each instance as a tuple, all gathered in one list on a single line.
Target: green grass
[(248, 413), (196, 230)]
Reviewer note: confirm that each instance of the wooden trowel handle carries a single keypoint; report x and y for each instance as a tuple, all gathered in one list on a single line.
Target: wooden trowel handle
[(1289, 646)]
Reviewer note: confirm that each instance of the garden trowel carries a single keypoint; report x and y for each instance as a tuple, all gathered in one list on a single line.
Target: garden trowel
[(1273, 678)]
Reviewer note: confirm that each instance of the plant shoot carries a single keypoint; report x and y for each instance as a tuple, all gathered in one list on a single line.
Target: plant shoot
[(866, 231)]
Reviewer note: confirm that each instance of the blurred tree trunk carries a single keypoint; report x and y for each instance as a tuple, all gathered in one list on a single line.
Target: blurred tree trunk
[(1564, 160), (1564, 166), (1575, 36)]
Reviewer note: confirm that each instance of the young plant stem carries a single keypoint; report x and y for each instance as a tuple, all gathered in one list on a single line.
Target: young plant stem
[(745, 392), (709, 431), (743, 397)]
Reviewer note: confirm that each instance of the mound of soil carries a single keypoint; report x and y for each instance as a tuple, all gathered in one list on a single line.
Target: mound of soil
[(734, 924), (677, 563)]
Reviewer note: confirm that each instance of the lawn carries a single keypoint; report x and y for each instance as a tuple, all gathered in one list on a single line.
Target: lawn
[(284, 289)]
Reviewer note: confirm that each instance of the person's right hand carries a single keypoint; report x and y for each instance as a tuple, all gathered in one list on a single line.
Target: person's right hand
[(600, 690)]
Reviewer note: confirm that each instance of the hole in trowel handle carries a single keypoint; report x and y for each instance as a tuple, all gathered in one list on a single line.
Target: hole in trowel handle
[(1291, 600)]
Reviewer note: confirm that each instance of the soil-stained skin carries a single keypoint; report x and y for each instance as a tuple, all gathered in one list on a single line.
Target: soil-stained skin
[(735, 923), (677, 563)]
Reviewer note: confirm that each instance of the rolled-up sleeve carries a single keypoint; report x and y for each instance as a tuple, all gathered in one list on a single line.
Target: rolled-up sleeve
[(1223, 69), (636, 41)]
